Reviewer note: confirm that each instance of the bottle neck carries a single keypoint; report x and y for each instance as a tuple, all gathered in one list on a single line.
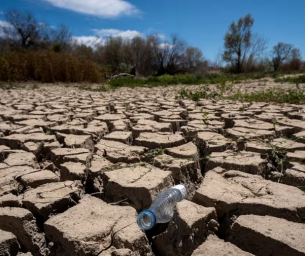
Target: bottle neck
[(182, 189), (146, 219)]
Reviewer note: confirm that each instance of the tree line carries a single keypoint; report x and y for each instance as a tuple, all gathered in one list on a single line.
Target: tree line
[(32, 50), (246, 52)]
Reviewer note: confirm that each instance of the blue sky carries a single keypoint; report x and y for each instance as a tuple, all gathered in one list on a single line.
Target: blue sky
[(202, 23)]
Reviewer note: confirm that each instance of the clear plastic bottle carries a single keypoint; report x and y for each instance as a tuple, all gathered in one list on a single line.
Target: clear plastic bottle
[(162, 209)]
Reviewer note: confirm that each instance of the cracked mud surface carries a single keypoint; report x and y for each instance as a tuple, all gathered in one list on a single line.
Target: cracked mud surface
[(76, 167)]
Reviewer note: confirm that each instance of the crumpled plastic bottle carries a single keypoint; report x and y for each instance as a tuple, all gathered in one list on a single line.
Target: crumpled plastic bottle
[(162, 208)]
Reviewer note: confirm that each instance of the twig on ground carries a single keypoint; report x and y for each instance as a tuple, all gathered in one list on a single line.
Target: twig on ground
[(121, 201)]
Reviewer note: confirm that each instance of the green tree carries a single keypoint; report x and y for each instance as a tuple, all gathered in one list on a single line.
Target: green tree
[(238, 42)]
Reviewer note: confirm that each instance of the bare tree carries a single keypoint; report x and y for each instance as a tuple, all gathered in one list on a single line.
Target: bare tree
[(296, 54), (112, 53), (167, 54), (141, 56), (193, 60), (217, 63), (280, 53), (24, 29), (256, 53), (238, 41), (258, 46), (176, 51), (84, 50), (60, 38), (159, 52), (293, 61), (296, 59)]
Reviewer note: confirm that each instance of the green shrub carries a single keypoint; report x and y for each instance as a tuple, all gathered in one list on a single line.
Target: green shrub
[(204, 93)]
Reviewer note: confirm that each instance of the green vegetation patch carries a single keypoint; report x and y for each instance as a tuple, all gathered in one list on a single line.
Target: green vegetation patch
[(294, 80), (302, 188), (275, 95), (278, 95), (205, 93), (9, 85), (186, 79)]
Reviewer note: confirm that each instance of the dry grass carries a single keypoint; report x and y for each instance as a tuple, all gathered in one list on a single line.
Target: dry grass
[(48, 67)]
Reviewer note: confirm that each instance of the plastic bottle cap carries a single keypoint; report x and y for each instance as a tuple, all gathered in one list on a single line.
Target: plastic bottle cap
[(146, 219), (182, 190)]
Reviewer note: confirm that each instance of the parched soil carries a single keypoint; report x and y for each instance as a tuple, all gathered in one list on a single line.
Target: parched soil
[(76, 167)]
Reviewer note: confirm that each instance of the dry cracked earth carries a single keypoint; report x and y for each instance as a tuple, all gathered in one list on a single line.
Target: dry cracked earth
[(76, 167)]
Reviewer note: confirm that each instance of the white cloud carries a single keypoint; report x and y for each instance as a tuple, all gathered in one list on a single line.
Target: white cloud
[(101, 8), (88, 40), (4, 24), (103, 34), (128, 34), (161, 36), (165, 45)]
